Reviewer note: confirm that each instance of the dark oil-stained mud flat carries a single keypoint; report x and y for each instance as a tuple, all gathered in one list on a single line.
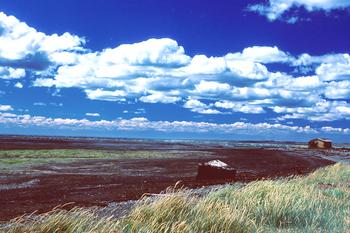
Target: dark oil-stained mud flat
[(100, 181)]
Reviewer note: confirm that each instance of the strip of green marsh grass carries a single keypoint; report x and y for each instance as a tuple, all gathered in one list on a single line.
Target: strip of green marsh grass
[(83, 153), (19, 159), (16, 159), (319, 202)]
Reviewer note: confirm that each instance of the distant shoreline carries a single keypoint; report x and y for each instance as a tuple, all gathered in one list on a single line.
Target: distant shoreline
[(226, 143)]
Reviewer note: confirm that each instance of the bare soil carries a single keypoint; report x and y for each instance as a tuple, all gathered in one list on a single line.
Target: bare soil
[(102, 181), (98, 182)]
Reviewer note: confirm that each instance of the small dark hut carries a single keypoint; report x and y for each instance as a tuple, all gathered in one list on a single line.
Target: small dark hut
[(215, 169), (320, 143)]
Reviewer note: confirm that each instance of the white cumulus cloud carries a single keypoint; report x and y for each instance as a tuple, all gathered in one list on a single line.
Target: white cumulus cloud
[(159, 97), (11, 73), (5, 108), (92, 114), (24, 47), (262, 54), (18, 85), (275, 9)]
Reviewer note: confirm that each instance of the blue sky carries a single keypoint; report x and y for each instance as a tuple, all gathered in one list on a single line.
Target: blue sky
[(250, 70)]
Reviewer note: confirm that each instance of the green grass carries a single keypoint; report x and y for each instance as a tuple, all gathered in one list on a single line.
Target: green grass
[(20, 159), (84, 153), (15, 164), (319, 202)]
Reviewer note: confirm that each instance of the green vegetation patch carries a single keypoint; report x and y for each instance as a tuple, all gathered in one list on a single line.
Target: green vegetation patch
[(15, 164), (84, 153), (319, 202), (21, 159)]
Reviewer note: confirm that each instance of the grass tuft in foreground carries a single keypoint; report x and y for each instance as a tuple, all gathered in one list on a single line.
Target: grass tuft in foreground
[(319, 202), (59, 221)]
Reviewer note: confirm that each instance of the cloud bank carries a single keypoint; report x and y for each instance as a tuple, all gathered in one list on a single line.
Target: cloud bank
[(143, 124), (159, 71)]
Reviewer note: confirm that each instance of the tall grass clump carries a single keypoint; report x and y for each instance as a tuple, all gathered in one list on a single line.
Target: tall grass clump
[(76, 220), (337, 174), (183, 212), (288, 204)]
